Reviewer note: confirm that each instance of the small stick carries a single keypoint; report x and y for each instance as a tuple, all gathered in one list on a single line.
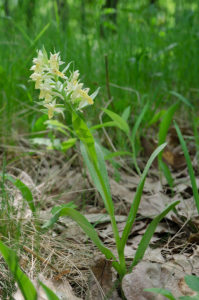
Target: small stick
[(43, 260)]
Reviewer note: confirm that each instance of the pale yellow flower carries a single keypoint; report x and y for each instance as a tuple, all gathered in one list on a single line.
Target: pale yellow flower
[(52, 108), (55, 62), (39, 62), (38, 79), (85, 96)]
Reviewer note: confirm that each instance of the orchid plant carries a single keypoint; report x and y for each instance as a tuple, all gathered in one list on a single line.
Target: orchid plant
[(62, 91)]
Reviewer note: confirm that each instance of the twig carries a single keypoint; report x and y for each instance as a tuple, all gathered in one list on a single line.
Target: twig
[(104, 130), (43, 260), (127, 89)]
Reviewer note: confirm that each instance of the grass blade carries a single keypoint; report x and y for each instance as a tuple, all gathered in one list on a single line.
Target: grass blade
[(167, 173), (163, 130), (165, 124), (149, 233), (49, 293), (105, 124), (25, 191), (133, 136), (119, 121), (189, 165), (163, 292), (182, 98), (40, 34), (137, 198), (27, 288)]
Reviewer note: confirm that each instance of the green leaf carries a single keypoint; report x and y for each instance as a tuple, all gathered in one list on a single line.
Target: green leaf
[(162, 292), (117, 153), (57, 208), (39, 124), (120, 122), (25, 191), (27, 288), (85, 225), (43, 141), (49, 293), (193, 282), (126, 113), (137, 198), (99, 176), (65, 145), (182, 98), (165, 123), (163, 130), (189, 165), (106, 124), (58, 126), (133, 135), (167, 173), (156, 117), (189, 297), (149, 233)]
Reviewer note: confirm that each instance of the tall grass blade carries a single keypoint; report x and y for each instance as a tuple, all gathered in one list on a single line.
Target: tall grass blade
[(189, 165), (163, 130), (137, 198), (27, 288), (40, 34), (133, 136), (20, 28), (56, 13), (165, 124), (182, 98)]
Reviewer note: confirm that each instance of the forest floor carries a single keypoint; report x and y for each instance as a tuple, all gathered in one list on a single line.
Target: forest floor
[(64, 257)]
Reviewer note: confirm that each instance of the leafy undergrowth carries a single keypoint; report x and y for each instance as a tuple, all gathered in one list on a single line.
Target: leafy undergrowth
[(64, 256)]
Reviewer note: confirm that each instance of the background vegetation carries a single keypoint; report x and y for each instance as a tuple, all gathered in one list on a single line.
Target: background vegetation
[(152, 49)]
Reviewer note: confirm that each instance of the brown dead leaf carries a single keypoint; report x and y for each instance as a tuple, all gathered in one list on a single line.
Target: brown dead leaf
[(101, 283), (172, 154)]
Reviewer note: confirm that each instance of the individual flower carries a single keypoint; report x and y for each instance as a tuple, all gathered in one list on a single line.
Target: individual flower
[(39, 62), (38, 78), (76, 92), (55, 62), (52, 108)]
